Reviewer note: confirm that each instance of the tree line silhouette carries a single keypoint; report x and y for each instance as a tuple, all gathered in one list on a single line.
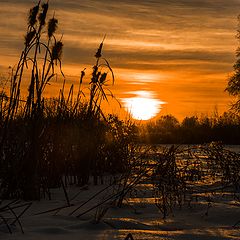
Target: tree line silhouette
[(167, 129)]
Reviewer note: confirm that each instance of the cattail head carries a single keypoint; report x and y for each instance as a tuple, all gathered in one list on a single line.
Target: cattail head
[(57, 50), (30, 35), (52, 26), (99, 51), (94, 75), (42, 16), (32, 17), (82, 76), (103, 78)]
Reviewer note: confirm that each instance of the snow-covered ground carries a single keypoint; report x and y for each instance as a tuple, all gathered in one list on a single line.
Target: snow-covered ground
[(202, 219)]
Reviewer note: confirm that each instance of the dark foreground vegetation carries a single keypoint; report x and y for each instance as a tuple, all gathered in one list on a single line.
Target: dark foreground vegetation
[(55, 143), (193, 130), (44, 140)]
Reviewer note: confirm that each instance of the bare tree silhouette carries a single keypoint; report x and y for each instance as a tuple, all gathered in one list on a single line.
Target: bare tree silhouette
[(233, 86)]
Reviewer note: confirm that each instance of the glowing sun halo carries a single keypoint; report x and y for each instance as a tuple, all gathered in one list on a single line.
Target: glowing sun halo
[(143, 106)]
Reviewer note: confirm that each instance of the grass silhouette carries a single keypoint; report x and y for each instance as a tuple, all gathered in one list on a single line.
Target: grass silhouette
[(44, 141)]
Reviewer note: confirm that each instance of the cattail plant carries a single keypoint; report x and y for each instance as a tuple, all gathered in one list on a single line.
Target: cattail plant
[(41, 72), (168, 182), (55, 142), (98, 82)]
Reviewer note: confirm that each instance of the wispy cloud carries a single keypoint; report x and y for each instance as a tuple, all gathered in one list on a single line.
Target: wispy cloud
[(181, 40)]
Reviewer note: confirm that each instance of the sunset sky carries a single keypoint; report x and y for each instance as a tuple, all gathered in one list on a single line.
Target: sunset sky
[(179, 53)]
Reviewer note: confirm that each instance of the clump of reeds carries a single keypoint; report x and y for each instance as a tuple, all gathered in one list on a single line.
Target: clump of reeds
[(25, 117), (223, 165), (169, 184), (49, 143)]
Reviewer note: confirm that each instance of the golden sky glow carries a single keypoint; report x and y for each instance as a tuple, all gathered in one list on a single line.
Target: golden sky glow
[(181, 51)]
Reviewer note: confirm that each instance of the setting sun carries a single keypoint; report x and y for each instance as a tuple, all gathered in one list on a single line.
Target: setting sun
[(144, 106)]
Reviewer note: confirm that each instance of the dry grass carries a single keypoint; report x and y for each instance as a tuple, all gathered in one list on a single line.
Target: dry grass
[(57, 142)]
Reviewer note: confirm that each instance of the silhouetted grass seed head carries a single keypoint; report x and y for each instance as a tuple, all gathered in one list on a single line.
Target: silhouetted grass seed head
[(29, 37), (82, 76), (57, 50), (42, 16), (99, 51), (32, 18), (52, 26), (103, 78)]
